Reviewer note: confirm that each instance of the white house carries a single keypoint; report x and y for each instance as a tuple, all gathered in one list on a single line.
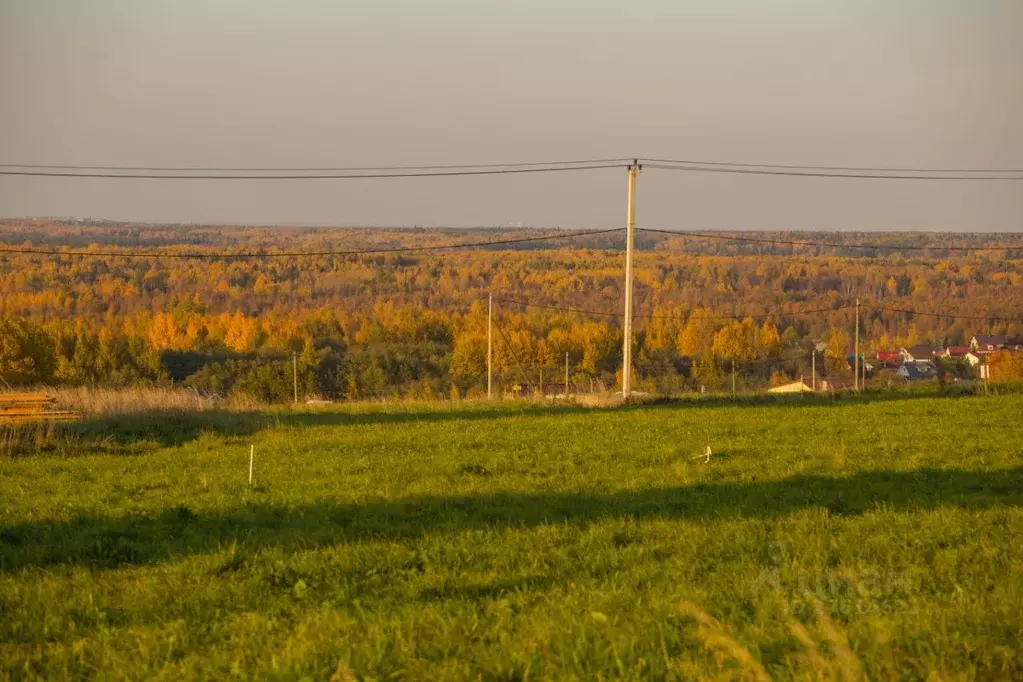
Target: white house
[(973, 358)]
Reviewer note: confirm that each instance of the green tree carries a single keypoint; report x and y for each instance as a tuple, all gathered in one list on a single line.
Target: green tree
[(707, 373), (26, 352)]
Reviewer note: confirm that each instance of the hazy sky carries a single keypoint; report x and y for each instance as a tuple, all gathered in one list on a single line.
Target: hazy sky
[(935, 83)]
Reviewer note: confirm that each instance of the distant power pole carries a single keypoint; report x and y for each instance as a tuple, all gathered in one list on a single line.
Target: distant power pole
[(566, 376), (813, 363), (630, 230), (294, 373), (856, 350), (490, 347), (539, 362)]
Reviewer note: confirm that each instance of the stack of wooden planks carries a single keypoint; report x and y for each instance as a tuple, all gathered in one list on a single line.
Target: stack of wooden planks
[(31, 407)]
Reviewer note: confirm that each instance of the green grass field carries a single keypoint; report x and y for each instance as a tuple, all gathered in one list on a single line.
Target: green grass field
[(824, 540)]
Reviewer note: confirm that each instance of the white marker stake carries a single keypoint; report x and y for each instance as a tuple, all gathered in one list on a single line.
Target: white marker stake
[(252, 456)]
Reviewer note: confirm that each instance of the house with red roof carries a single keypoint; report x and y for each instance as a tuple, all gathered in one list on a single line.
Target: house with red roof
[(889, 358)]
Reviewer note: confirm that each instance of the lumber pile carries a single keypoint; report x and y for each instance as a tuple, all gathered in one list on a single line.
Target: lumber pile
[(17, 408)]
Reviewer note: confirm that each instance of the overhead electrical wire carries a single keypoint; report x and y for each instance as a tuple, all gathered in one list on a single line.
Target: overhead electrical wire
[(381, 172), (527, 304), (764, 315), (835, 245), (318, 176), (334, 169), (785, 313), (847, 169), (824, 174), (500, 242), (441, 170), (225, 255), (987, 318), (759, 316)]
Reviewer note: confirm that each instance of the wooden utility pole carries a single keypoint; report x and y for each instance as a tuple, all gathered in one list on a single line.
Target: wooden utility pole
[(856, 350), (813, 363), (733, 377), (566, 376), (630, 229), (490, 347), (294, 373), (539, 361)]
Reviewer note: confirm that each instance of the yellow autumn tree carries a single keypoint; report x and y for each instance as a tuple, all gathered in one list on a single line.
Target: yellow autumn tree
[(698, 334), (769, 341), (242, 333), (164, 333), (734, 341)]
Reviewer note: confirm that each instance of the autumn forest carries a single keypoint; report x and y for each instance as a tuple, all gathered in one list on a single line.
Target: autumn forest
[(241, 318)]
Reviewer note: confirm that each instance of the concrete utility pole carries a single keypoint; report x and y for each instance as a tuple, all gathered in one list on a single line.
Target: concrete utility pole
[(490, 347), (630, 226), (856, 350), (294, 373)]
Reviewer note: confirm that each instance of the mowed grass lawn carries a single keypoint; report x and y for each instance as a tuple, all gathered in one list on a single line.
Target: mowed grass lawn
[(867, 539)]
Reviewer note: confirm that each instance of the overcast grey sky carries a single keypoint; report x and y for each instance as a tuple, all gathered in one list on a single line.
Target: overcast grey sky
[(341, 83)]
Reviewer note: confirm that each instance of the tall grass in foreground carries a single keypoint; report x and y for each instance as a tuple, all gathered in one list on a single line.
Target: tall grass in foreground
[(123, 420), (97, 401), (106, 411), (92, 401)]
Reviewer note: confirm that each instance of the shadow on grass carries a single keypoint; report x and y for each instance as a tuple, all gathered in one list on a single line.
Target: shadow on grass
[(131, 433), (490, 590), (101, 542)]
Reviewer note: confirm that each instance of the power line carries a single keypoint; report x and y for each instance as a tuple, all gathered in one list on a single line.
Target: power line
[(601, 313), (758, 316), (850, 169), (835, 245), (575, 162), (986, 318), (332, 169), (323, 176), (514, 355), (497, 242), (763, 315), (817, 174), (304, 254), (581, 311)]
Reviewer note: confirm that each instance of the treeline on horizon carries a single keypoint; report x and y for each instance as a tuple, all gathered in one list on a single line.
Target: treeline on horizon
[(414, 324)]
